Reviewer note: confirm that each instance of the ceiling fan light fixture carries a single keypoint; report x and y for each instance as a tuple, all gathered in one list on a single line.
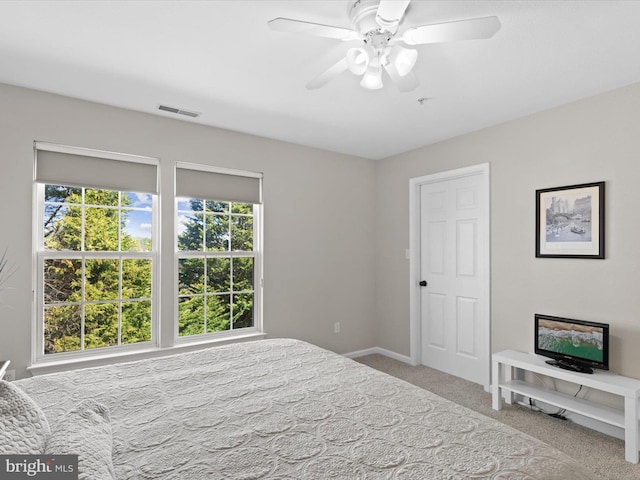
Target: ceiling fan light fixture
[(357, 60), (404, 59), (375, 23), (372, 78)]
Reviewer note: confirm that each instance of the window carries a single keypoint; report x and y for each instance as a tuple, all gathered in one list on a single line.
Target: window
[(97, 268), (215, 266), (97, 254), (218, 250), (96, 251)]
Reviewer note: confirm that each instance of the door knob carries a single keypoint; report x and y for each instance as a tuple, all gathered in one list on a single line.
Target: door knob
[(423, 283)]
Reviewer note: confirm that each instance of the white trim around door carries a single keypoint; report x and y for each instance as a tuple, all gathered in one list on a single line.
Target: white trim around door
[(415, 251)]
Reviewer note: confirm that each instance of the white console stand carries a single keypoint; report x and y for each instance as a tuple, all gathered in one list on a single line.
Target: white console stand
[(508, 380)]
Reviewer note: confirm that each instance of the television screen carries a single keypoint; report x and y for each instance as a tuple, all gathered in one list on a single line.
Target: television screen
[(574, 344)]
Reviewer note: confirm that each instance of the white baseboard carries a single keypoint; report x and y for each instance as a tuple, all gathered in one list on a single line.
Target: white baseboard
[(380, 351)]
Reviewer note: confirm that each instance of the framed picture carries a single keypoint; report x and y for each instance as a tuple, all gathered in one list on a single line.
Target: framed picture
[(570, 221)]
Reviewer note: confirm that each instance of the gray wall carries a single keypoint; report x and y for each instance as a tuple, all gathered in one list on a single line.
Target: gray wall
[(319, 263), (591, 140), (336, 227)]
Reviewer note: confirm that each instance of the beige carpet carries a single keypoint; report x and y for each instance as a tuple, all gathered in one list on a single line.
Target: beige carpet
[(601, 453)]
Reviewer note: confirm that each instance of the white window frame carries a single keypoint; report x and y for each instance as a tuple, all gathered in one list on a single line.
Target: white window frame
[(164, 322), (38, 357), (257, 255)]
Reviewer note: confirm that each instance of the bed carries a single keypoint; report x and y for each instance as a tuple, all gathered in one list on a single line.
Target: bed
[(279, 409)]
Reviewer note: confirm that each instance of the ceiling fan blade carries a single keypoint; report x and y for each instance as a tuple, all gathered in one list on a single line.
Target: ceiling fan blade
[(390, 12), (474, 29), (404, 83), (328, 75), (298, 26)]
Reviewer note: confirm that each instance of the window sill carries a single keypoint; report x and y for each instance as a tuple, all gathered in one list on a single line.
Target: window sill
[(53, 366)]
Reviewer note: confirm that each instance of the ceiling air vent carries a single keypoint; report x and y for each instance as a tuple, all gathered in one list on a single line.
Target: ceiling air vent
[(178, 111)]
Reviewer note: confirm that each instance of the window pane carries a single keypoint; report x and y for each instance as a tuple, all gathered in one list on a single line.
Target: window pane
[(184, 204), (191, 232), (136, 278), (53, 213), (191, 316), (138, 200), (52, 224), (242, 274), (62, 280), (218, 313), (61, 193), (196, 204), (242, 310), (217, 234), (101, 197), (246, 208), (62, 328), (101, 229), (136, 230), (136, 322), (101, 279), (221, 207), (190, 276), (62, 228), (100, 325), (242, 233), (218, 275)]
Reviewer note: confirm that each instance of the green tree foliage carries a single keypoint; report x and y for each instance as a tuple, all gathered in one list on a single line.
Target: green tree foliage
[(216, 293), (108, 304)]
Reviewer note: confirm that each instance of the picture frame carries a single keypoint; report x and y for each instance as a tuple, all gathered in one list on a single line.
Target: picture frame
[(570, 221)]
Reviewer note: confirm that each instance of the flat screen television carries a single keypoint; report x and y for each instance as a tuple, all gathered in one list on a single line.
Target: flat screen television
[(575, 345)]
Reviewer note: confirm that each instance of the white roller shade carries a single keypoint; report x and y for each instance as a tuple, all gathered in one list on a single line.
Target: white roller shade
[(60, 165), (218, 184)]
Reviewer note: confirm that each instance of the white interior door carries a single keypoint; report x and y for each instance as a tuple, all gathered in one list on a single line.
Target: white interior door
[(453, 279)]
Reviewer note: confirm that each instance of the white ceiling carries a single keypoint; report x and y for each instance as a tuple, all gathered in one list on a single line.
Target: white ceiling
[(221, 59)]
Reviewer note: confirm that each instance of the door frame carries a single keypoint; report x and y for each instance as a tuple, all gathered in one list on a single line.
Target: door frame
[(415, 327)]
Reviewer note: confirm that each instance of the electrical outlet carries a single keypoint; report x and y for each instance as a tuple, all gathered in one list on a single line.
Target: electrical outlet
[(336, 327), (10, 375)]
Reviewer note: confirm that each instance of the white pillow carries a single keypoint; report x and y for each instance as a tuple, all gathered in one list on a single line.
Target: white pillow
[(23, 426), (85, 431)]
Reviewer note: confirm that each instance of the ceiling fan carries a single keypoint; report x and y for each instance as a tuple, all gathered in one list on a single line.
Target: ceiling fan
[(375, 23)]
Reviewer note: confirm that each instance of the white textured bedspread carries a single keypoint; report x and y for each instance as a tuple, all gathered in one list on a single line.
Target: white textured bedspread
[(285, 409)]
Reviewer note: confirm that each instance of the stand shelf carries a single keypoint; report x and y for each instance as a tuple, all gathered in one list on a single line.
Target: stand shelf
[(508, 371)]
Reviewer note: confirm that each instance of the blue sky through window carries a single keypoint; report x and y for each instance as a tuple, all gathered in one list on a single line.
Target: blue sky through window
[(139, 216)]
